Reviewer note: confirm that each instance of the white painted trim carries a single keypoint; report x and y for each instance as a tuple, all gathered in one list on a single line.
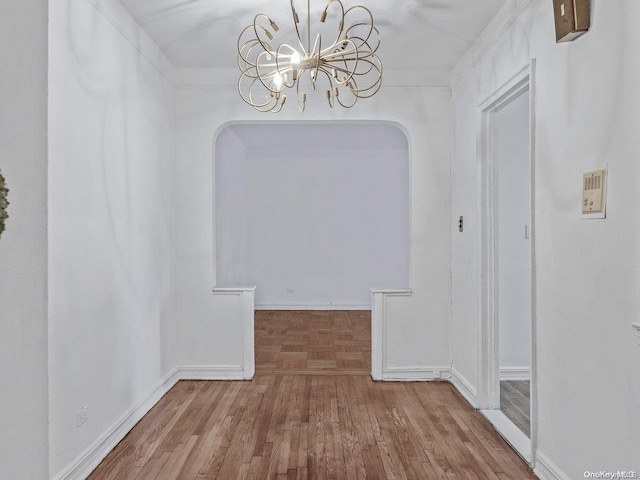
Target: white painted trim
[(317, 307), (534, 322), (377, 335), (489, 376), (235, 139), (247, 326), (208, 372), (90, 458), (416, 374), (511, 89), (500, 25), (232, 290), (636, 326), (545, 469), (515, 373), (397, 292), (379, 320), (512, 434), (464, 386)]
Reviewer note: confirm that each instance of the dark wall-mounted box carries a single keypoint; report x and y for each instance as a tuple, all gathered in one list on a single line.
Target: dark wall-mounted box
[(573, 18)]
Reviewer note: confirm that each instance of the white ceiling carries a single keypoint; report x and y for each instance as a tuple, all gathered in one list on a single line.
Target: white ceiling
[(416, 34)]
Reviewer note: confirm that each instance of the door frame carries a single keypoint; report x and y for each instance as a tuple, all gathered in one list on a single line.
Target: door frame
[(488, 364)]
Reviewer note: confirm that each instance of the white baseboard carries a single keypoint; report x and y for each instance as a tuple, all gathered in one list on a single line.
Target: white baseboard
[(300, 307), (545, 469), (515, 373), (416, 374), (90, 458), (464, 387), (233, 372)]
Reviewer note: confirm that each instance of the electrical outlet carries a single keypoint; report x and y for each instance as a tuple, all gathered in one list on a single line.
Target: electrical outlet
[(82, 416), (291, 291)]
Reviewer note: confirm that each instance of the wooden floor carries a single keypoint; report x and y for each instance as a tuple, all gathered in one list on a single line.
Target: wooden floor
[(515, 403), (312, 343), (312, 415)]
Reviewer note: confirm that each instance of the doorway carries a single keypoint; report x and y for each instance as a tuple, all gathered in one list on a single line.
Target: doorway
[(508, 329), (313, 215)]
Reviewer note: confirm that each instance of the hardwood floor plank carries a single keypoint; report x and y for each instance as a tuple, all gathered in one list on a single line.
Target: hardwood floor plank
[(313, 412), (175, 462), (151, 470)]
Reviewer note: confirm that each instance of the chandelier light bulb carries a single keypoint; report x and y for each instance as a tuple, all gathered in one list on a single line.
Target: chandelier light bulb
[(295, 61), (346, 68), (277, 81)]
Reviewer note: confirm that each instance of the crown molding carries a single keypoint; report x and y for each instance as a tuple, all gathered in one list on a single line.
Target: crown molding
[(118, 16), (500, 25)]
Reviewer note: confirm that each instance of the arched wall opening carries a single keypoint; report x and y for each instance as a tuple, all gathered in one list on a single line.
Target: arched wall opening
[(313, 214)]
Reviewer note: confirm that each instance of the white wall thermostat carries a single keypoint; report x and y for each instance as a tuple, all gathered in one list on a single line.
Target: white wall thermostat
[(594, 192)]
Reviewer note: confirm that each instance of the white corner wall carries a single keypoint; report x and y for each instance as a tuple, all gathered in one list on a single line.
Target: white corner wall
[(231, 196), (208, 101), (587, 272), (23, 246), (111, 212)]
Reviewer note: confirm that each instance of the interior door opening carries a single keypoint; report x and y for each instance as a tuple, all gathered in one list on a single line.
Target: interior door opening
[(507, 363), (513, 259), (314, 215)]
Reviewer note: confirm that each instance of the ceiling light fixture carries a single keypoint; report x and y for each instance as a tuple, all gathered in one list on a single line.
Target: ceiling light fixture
[(348, 68)]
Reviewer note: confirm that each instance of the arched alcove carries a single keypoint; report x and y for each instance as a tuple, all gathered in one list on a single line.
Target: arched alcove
[(314, 214)]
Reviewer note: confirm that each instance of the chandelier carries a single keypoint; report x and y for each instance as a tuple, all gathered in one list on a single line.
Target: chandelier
[(347, 69)]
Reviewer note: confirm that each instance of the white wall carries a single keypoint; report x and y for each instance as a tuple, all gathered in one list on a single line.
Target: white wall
[(23, 246), (326, 220), (206, 102), (231, 196), (111, 213), (586, 94), (513, 197)]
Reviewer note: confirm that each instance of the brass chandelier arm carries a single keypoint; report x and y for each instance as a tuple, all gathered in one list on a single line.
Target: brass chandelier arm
[(296, 21), (250, 101), (269, 75), (370, 24), (270, 35), (375, 86), (341, 24), (355, 66), (286, 68), (331, 91), (365, 40)]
